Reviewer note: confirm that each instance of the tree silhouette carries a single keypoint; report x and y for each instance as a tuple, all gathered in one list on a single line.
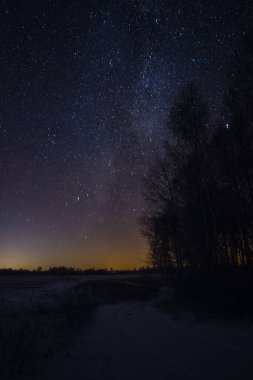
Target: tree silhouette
[(199, 192)]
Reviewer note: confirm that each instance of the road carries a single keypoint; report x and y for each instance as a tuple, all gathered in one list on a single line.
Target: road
[(134, 340)]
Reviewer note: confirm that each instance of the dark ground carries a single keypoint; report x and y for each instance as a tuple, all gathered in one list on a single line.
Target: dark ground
[(111, 328)]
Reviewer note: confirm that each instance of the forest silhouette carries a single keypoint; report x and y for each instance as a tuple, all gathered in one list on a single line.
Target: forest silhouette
[(199, 192)]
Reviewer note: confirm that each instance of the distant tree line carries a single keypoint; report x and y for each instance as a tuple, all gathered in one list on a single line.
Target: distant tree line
[(62, 270), (199, 192)]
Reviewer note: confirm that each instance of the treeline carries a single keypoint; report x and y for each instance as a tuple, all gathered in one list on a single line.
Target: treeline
[(62, 270), (199, 192), (54, 270)]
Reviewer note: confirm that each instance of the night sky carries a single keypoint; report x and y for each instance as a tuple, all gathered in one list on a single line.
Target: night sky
[(86, 88)]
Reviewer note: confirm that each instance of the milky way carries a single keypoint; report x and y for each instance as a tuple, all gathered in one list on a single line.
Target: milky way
[(86, 88)]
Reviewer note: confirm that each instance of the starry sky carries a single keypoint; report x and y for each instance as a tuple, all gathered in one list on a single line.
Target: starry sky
[(86, 88)]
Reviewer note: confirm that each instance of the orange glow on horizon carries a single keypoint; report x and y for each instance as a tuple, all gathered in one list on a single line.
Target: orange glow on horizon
[(116, 257)]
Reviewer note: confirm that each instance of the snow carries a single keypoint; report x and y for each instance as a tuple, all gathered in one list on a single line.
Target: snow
[(134, 341)]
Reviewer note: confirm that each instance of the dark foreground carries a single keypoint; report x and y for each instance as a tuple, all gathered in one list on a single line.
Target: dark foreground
[(87, 332), (135, 341)]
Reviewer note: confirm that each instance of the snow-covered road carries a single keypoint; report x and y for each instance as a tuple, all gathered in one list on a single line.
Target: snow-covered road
[(134, 340)]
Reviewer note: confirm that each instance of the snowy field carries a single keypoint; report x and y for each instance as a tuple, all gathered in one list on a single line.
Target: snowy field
[(121, 341), (134, 340), (17, 290)]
